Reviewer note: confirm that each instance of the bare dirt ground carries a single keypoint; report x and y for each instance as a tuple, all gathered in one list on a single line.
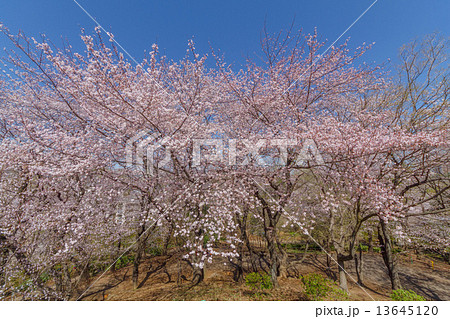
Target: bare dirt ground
[(431, 280), (166, 278)]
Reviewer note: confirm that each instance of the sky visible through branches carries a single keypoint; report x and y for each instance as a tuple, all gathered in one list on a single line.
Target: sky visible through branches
[(233, 26)]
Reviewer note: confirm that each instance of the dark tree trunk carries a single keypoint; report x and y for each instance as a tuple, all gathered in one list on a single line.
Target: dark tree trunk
[(140, 247), (273, 259), (359, 265), (3, 260), (329, 271), (113, 267), (370, 241), (166, 242), (198, 275), (283, 261), (84, 275), (252, 255), (238, 272), (270, 222), (136, 263), (67, 283), (180, 275), (388, 256), (238, 264), (305, 253)]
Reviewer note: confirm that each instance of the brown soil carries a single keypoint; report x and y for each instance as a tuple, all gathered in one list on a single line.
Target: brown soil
[(166, 278)]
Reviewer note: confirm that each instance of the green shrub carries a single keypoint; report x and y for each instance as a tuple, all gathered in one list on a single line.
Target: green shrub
[(377, 249), (296, 248), (317, 287), (124, 261), (154, 251), (364, 248), (406, 295), (258, 281), (293, 248)]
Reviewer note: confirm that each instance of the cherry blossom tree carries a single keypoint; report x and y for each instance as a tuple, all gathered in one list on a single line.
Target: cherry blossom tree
[(215, 148)]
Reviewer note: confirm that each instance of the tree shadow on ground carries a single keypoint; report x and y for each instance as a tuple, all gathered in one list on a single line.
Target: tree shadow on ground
[(106, 287)]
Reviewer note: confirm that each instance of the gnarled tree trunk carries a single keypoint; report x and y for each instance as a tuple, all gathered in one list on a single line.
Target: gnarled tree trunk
[(342, 275), (140, 247), (388, 255), (359, 265)]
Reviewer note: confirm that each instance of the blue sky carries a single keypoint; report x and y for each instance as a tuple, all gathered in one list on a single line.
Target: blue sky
[(232, 26)]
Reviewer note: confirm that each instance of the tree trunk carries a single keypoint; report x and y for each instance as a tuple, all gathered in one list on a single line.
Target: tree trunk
[(370, 241), (252, 255), (67, 283), (136, 263), (342, 276), (305, 253), (273, 257), (138, 256), (238, 273), (166, 242), (198, 275), (388, 256), (3, 260), (114, 265), (359, 265), (83, 279), (270, 222)]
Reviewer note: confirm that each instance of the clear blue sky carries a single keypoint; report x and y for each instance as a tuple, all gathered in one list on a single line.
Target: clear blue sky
[(232, 26)]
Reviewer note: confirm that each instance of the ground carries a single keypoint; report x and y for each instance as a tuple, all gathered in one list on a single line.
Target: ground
[(166, 278)]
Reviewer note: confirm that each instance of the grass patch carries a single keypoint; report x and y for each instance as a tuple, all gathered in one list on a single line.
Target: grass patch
[(406, 295), (316, 287)]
